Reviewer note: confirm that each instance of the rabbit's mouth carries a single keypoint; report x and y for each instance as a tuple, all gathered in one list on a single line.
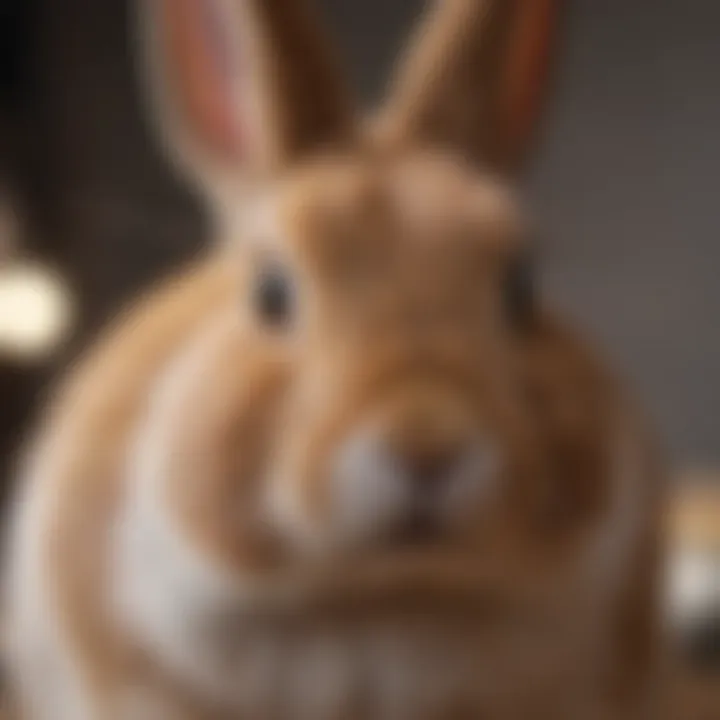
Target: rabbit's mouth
[(420, 527), (374, 496)]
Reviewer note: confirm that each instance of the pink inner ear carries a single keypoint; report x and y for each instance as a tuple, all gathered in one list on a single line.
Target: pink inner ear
[(528, 68), (201, 75)]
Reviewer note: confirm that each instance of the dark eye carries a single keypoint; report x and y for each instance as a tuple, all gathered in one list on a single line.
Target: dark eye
[(519, 291), (273, 296)]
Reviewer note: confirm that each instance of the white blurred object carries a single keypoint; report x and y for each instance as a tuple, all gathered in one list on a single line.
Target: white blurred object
[(693, 592), (35, 304), (35, 311)]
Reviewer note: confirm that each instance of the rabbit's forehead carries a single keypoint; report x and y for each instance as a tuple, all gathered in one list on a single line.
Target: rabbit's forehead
[(417, 200)]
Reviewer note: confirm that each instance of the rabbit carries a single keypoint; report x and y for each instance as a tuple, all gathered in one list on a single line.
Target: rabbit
[(347, 464)]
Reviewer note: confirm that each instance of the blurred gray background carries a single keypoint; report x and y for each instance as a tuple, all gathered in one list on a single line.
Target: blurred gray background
[(623, 185)]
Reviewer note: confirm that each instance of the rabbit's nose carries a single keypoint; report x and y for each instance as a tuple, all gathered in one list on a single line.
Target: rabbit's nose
[(408, 490), (429, 470)]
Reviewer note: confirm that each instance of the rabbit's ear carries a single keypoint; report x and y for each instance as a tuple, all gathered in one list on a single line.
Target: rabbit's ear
[(473, 78), (240, 85)]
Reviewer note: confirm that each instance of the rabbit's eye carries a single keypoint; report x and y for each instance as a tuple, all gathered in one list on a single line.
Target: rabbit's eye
[(273, 297), (519, 291)]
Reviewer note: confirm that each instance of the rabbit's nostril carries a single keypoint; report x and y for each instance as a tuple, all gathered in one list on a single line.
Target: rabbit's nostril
[(429, 470)]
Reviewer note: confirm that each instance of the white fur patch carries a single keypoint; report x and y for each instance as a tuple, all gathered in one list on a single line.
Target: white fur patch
[(177, 602), (370, 489), (165, 589), (35, 643)]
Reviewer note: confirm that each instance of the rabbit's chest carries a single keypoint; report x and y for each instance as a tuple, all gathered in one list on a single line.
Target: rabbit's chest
[(398, 670)]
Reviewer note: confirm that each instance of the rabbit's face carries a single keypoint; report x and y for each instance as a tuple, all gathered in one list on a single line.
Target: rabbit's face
[(399, 289), (424, 401)]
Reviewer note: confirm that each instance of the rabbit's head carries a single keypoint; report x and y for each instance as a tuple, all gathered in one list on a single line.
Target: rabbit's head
[(424, 405)]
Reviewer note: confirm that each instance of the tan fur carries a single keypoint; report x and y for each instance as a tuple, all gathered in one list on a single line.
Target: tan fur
[(472, 78), (182, 546), (101, 400)]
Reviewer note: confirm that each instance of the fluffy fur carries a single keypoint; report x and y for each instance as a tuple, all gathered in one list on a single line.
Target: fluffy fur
[(221, 518)]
